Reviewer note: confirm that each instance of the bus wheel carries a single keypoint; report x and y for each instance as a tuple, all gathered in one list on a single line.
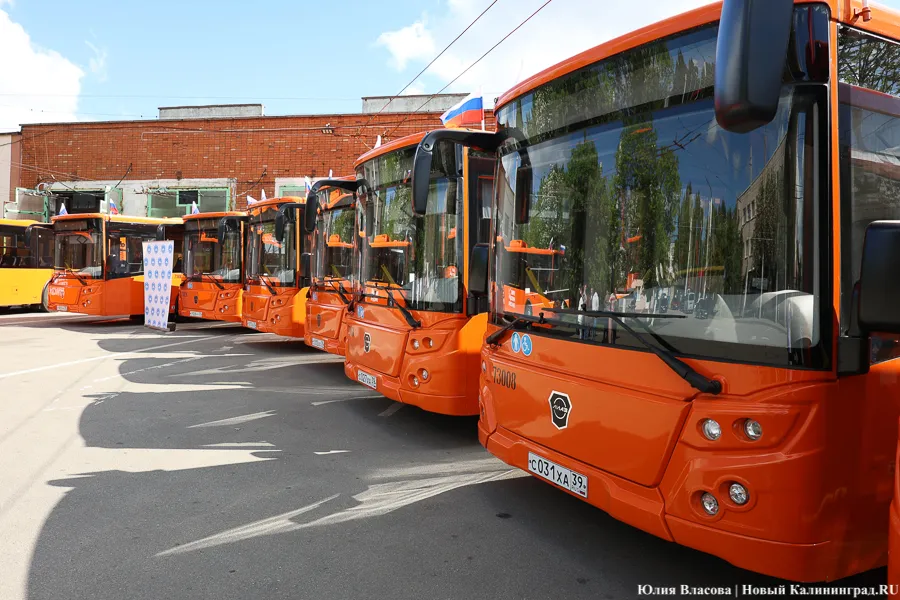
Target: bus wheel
[(174, 316), (45, 298), (139, 319)]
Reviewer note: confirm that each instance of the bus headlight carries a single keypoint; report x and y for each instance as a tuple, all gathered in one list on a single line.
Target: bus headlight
[(738, 494), (752, 429), (415, 344), (709, 503), (424, 373), (711, 430)]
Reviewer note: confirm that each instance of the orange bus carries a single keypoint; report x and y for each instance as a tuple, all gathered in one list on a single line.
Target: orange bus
[(767, 438), (99, 264), (413, 333), (332, 222), (213, 266), (277, 268)]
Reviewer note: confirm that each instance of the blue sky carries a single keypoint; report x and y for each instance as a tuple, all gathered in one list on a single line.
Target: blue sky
[(106, 59)]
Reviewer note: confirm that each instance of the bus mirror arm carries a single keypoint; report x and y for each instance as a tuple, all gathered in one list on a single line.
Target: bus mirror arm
[(311, 209), (421, 171), (853, 348), (750, 54)]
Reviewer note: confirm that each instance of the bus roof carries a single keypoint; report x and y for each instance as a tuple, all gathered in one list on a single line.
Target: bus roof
[(118, 218), (884, 20), (274, 203), (17, 222), (404, 142), (215, 215)]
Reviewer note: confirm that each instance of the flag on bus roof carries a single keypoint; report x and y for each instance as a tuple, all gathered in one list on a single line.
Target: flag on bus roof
[(308, 182), (263, 197), (251, 200), (468, 111), (113, 209), (330, 173), (378, 141), (62, 209), (194, 209)]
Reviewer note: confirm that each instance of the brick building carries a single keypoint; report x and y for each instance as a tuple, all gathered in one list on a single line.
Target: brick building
[(216, 156)]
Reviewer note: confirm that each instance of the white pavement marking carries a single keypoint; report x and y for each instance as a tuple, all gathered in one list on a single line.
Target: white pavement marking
[(101, 357), (240, 445), (236, 420), (322, 402), (278, 524), (379, 499), (265, 364), (391, 409), (176, 362), (331, 452)]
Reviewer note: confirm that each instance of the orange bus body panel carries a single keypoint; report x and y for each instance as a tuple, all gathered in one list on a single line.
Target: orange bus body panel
[(203, 300), (326, 327), (894, 534), (279, 314), (102, 298)]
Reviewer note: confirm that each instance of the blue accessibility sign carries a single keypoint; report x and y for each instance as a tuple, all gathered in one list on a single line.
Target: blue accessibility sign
[(526, 345), (515, 342)]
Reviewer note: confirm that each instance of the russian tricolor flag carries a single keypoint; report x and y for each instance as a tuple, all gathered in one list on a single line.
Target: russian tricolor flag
[(469, 111)]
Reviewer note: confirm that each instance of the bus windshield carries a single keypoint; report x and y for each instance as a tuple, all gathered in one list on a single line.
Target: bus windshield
[(621, 171), (207, 256), (418, 255), (335, 241), (79, 246), (267, 258)]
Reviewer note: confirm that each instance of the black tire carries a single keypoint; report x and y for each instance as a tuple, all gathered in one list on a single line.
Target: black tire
[(44, 306)]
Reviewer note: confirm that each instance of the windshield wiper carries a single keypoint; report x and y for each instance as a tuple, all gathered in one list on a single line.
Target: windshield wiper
[(683, 370), (491, 340), (83, 282), (340, 290), (213, 279), (392, 301), (268, 286)]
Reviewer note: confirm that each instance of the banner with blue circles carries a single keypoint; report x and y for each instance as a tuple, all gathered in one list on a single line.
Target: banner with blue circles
[(159, 258)]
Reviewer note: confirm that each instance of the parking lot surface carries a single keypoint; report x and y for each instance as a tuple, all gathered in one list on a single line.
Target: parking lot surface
[(214, 462)]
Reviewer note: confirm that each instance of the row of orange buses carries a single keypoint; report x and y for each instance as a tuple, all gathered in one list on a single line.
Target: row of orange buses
[(538, 276)]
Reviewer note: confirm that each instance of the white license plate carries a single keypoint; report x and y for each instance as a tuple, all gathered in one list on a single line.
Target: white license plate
[(561, 476), (62, 308), (196, 313), (320, 344), (366, 379), (251, 324)]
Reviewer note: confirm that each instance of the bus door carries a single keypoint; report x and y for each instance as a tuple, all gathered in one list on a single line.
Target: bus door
[(124, 294)]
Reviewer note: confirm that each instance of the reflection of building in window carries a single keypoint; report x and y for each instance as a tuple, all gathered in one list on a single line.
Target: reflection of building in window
[(747, 202)]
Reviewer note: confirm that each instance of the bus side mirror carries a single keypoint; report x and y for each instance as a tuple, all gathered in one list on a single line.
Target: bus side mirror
[(478, 270), (310, 212), (370, 219), (226, 224), (304, 264), (279, 226), (160, 233), (421, 171), (879, 285), (524, 191), (750, 54)]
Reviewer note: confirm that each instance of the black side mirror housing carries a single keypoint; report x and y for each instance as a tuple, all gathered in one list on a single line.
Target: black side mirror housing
[(370, 219), (524, 190), (478, 279), (750, 55), (160, 233), (285, 215), (421, 172), (879, 283), (227, 224), (310, 212)]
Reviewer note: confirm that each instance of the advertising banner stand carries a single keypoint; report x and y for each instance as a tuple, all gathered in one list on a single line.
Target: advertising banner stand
[(158, 263)]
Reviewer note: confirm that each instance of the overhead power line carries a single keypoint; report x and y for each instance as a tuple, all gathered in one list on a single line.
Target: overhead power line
[(480, 58), (433, 60)]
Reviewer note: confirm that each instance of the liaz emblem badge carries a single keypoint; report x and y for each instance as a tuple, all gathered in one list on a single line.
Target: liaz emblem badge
[(367, 342), (560, 408), (319, 320)]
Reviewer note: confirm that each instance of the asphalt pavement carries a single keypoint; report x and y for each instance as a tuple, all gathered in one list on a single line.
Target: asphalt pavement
[(218, 463)]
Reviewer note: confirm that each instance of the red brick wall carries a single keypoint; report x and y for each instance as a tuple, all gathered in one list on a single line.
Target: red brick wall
[(209, 148)]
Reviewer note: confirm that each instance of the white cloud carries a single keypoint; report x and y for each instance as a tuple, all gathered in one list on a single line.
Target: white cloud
[(28, 75), (561, 30), (97, 63), (416, 89), (414, 42)]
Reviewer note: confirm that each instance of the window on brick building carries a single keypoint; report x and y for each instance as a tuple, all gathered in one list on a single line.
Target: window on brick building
[(177, 203)]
